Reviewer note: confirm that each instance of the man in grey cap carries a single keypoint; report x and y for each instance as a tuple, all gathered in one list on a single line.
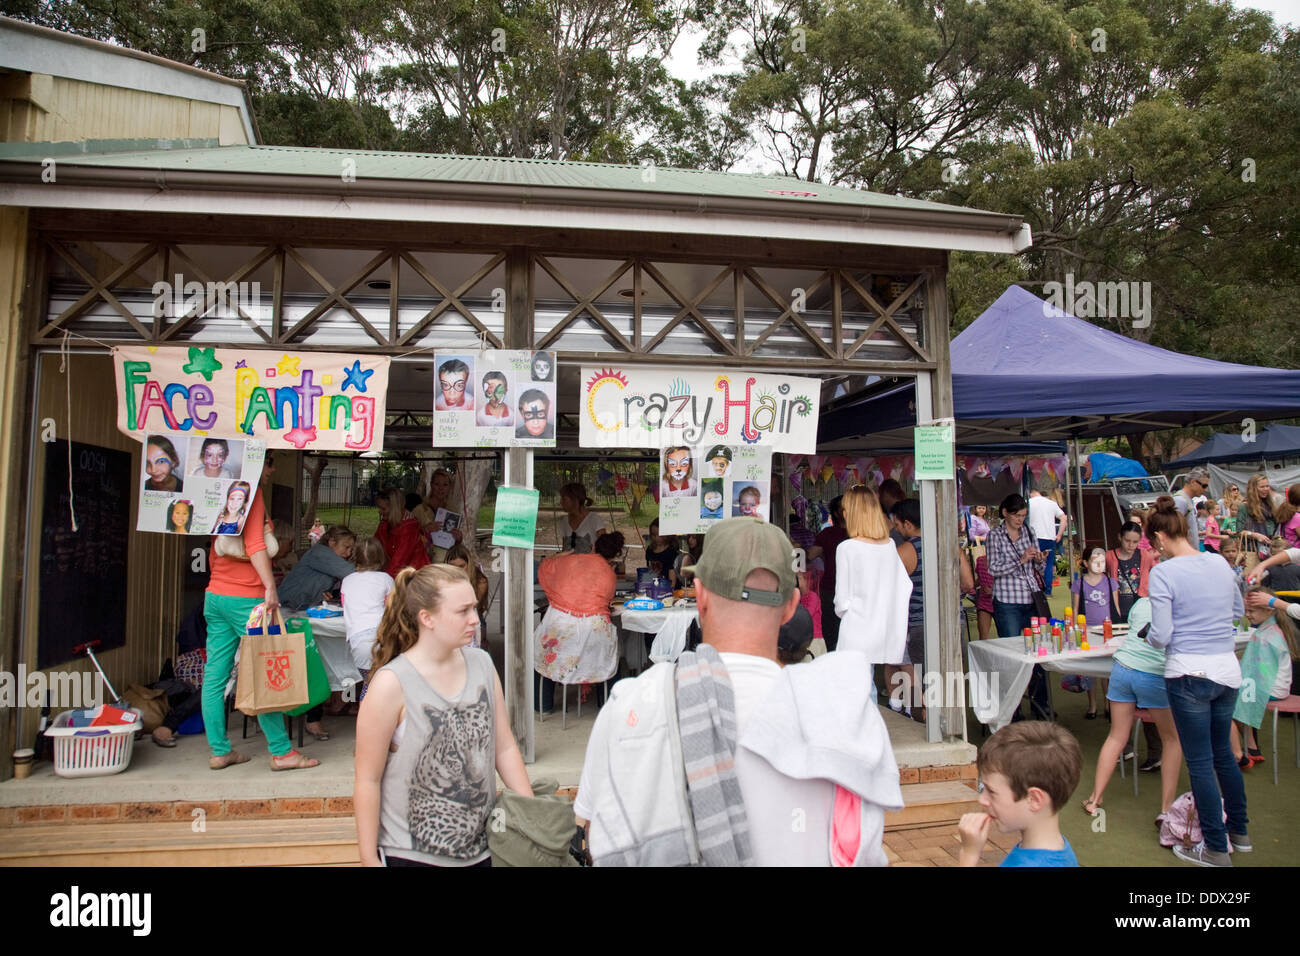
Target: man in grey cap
[(1197, 485), (723, 758)]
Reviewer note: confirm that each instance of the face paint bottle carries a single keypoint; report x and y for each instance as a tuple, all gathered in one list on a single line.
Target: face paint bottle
[(1107, 630), (1029, 641)]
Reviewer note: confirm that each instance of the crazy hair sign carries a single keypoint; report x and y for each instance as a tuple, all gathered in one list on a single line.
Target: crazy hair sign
[(636, 407), (320, 401)]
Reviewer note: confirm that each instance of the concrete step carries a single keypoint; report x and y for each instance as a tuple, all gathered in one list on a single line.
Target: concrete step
[(932, 804), (327, 841)]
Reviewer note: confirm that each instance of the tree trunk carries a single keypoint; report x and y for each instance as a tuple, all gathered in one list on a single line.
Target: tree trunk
[(471, 481), (1135, 443), (315, 468)]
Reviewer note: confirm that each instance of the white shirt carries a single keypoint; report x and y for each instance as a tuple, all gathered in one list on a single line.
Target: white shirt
[(872, 590), (789, 820), (586, 531), (1043, 512), (363, 594)]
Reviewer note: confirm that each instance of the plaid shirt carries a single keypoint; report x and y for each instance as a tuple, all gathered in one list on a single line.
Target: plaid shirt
[(1013, 582)]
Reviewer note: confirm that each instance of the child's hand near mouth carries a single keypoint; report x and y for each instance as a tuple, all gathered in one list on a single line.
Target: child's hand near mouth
[(973, 831)]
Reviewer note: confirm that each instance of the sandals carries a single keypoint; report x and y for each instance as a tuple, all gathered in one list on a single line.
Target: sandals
[(226, 760), (319, 735), (299, 762), (1092, 803), (163, 741)]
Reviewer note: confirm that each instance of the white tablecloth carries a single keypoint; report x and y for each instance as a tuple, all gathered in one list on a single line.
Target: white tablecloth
[(332, 641), (1000, 671), (670, 627)]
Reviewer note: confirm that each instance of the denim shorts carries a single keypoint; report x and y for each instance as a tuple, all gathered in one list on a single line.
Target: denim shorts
[(1128, 686)]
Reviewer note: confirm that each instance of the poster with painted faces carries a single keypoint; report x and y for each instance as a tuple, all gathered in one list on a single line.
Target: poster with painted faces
[(700, 485), (198, 484), (496, 398)]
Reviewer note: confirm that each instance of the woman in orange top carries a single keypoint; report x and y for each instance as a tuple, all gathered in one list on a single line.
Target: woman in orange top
[(576, 641), (399, 533), (238, 585)]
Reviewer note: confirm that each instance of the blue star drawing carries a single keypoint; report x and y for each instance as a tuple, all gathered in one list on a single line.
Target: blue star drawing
[(356, 377)]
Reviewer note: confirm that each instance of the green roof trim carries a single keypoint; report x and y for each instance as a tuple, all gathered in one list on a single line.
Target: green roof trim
[(198, 157)]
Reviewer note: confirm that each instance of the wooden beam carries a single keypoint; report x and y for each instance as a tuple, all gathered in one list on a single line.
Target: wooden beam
[(519, 561), (952, 714)]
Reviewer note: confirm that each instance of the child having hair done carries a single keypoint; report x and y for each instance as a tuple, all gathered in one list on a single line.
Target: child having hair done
[(432, 730), (1096, 596), (364, 593), (1267, 664)]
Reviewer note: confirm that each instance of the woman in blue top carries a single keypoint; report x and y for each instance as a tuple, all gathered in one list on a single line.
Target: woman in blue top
[(1194, 601)]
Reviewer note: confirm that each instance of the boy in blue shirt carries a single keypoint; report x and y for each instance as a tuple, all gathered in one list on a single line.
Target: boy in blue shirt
[(1029, 769)]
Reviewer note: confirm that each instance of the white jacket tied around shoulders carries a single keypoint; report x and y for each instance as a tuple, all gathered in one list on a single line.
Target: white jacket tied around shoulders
[(871, 595)]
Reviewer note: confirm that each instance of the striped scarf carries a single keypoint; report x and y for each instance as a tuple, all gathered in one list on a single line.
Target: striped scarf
[(706, 716)]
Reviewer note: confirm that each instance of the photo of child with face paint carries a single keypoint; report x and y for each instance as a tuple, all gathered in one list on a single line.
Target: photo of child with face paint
[(453, 387), (495, 407), (718, 461), (677, 479), (543, 366), (536, 415), (749, 502), (711, 498)]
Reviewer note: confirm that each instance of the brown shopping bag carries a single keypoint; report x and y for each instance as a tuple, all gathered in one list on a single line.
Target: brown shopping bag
[(272, 669)]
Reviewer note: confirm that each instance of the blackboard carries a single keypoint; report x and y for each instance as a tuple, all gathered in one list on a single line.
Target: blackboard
[(83, 573)]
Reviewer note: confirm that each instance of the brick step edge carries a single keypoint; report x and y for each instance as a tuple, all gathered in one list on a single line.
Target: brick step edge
[(290, 807), (179, 810)]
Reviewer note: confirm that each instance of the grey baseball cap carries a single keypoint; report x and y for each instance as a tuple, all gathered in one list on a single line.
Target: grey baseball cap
[(736, 546)]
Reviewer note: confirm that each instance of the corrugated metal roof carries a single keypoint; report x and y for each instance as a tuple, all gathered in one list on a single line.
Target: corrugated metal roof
[(504, 171)]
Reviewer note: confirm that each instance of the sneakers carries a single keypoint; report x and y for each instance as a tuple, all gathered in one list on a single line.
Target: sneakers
[(1202, 855), (1240, 842), (1151, 766)]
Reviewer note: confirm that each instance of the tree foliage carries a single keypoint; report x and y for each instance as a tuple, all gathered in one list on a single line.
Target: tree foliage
[(1150, 141)]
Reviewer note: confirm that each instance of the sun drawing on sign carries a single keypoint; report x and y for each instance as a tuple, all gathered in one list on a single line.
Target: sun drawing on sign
[(596, 383)]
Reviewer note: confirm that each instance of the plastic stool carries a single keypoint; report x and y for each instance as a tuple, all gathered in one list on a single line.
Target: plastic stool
[(1287, 705)]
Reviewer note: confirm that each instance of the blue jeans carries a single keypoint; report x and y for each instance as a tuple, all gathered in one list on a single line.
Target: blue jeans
[(1048, 546), (1202, 713), (1011, 621)]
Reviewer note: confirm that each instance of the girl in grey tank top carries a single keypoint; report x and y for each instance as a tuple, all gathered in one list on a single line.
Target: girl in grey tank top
[(427, 758)]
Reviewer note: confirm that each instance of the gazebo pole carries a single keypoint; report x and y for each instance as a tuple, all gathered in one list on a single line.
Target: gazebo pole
[(519, 562), (1078, 490)]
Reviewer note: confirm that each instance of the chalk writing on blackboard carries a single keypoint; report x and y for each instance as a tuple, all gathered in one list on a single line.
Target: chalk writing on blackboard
[(83, 573)]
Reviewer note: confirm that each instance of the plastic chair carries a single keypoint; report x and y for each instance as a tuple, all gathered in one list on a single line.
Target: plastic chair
[(1287, 705)]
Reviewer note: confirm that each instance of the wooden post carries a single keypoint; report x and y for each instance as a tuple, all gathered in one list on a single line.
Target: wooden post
[(518, 563), (945, 582)]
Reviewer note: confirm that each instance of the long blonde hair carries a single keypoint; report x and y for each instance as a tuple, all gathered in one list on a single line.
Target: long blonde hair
[(862, 515), (1253, 507), (413, 591)]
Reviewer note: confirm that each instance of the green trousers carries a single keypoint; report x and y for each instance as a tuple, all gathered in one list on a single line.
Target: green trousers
[(227, 617)]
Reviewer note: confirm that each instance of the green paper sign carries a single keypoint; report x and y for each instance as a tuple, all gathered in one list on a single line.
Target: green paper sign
[(515, 522), (933, 446)]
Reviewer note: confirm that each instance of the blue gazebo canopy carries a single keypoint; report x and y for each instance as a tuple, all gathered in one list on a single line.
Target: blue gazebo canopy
[(1026, 371), (1275, 441)]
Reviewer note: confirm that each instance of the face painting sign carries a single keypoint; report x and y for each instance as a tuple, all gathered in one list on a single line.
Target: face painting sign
[(320, 401), (495, 398), (702, 484), (192, 484), (635, 407)]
